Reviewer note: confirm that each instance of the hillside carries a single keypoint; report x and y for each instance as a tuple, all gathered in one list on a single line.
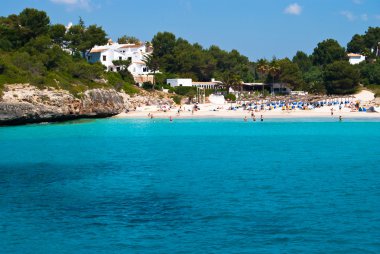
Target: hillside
[(34, 51)]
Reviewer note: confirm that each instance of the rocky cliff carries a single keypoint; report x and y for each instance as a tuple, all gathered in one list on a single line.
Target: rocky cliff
[(21, 104)]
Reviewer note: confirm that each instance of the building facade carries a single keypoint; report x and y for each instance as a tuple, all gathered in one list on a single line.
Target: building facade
[(189, 82), (136, 53), (355, 58)]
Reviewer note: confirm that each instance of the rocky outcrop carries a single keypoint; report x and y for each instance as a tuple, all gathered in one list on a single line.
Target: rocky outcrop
[(21, 104)]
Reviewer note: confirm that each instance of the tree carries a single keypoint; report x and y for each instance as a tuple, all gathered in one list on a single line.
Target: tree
[(357, 44), (151, 62), (341, 78), (163, 43), (93, 35), (122, 68), (372, 38), (303, 61), (57, 33), (75, 37), (128, 40), (263, 68), (230, 79), (34, 23), (290, 74), (274, 70), (10, 32), (82, 39), (370, 73), (327, 52), (314, 80)]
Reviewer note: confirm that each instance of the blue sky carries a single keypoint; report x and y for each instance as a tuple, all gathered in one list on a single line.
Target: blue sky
[(256, 28)]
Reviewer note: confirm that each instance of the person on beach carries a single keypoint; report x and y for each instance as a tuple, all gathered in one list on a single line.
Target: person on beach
[(340, 118), (151, 116), (332, 111), (252, 114), (254, 118), (245, 119), (171, 119), (262, 118)]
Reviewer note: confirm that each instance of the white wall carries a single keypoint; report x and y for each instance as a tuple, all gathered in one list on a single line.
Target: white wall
[(179, 82), (115, 52), (356, 59)]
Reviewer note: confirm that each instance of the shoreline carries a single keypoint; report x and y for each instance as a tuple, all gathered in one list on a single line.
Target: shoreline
[(243, 114)]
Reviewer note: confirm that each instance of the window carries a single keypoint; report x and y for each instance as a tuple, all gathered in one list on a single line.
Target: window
[(130, 58), (117, 68), (144, 69), (104, 58), (120, 58)]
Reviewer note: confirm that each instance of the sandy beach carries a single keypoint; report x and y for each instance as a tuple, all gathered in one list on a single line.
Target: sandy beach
[(207, 111), (224, 111)]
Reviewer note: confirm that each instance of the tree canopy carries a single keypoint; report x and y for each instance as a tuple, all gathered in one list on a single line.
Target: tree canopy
[(327, 52), (341, 77)]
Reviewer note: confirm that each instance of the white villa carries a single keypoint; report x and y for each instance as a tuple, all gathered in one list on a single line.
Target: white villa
[(115, 51), (355, 58)]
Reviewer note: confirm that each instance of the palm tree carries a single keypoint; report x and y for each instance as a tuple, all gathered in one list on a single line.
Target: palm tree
[(274, 70), (263, 68), (230, 79), (151, 62)]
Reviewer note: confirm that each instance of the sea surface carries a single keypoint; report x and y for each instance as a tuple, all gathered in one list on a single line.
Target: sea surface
[(191, 186)]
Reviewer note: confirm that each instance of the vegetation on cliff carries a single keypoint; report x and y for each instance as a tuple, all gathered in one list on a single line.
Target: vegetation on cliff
[(36, 52)]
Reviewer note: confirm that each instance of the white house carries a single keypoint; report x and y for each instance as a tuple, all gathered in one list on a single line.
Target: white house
[(355, 58), (189, 82), (115, 51), (179, 82)]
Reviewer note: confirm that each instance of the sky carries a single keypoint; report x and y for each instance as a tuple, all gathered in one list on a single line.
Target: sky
[(256, 28)]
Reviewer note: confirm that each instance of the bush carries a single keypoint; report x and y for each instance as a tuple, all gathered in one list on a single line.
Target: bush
[(185, 90), (147, 86), (230, 97), (130, 89), (177, 99), (87, 71)]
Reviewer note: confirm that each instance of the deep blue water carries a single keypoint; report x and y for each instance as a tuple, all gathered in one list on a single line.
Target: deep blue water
[(191, 186)]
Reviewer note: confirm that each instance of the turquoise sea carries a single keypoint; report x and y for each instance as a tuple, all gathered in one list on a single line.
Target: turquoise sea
[(191, 186)]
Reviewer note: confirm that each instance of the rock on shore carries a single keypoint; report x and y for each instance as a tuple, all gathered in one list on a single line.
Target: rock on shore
[(22, 103)]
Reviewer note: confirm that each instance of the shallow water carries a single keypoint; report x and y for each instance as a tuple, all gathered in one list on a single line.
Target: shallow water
[(191, 186)]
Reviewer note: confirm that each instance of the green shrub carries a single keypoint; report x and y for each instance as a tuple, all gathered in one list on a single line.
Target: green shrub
[(147, 86), (230, 97), (130, 89), (177, 99), (185, 90)]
